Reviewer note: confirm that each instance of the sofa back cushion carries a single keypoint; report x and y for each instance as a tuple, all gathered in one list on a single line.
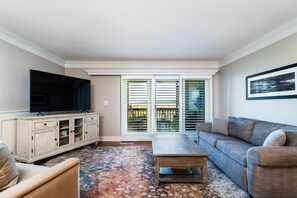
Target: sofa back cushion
[(262, 129), (8, 170), (240, 128), (220, 126)]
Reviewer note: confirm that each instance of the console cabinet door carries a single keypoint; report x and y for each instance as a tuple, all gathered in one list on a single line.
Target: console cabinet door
[(92, 128), (64, 132), (78, 129), (92, 131), (43, 142)]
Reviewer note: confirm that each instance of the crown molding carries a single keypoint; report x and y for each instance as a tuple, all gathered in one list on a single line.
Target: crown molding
[(16, 40), (140, 64), (278, 34), (150, 71)]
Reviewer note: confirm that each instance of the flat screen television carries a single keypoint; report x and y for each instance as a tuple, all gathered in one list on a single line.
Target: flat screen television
[(53, 92)]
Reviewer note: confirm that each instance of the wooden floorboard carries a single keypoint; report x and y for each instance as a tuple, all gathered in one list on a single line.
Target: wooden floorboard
[(125, 143)]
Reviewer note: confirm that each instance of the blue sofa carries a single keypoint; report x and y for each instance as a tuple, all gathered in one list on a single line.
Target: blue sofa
[(261, 171)]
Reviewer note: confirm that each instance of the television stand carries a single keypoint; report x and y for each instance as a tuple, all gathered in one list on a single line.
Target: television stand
[(85, 111), (39, 137)]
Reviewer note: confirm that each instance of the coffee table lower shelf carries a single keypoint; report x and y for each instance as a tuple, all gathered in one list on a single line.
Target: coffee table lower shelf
[(168, 174), (181, 162)]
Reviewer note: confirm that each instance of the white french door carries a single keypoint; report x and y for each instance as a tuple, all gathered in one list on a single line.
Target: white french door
[(167, 104), (156, 104), (196, 103), (136, 107)]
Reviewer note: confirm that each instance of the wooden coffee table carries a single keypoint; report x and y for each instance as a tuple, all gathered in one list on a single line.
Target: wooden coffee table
[(177, 159)]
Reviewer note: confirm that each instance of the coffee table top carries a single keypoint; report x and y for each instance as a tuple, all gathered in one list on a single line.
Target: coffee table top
[(175, 145)]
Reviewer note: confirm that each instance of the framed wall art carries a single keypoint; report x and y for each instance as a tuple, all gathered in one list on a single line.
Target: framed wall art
[(278, 83)]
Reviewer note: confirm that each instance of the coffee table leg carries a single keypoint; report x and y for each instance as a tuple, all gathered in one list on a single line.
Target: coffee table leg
[(157, 170), (204, 171)]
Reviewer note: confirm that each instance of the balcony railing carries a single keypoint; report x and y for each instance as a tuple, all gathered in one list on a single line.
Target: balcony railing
[(137, 120), (167, 119)]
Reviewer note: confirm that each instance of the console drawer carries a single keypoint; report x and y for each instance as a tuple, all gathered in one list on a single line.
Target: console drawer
[(92, 118), (44, 124)]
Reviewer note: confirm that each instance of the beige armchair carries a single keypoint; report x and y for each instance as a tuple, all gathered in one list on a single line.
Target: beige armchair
[(61, 180)]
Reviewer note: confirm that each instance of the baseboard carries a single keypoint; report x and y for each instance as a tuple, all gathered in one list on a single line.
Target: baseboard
[(110, 138), (119, 139), (135, 139)]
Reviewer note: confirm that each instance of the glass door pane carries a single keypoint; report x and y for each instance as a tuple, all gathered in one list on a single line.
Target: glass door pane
[(167, 105), (64, 132), (78, 129)]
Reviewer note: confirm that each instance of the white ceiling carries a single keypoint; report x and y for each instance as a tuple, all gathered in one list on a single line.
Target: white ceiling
[(174, 30)]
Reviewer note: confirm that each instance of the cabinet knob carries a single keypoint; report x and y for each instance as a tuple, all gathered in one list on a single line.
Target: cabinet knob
[(44, 124), (86, 132), (56, 139)]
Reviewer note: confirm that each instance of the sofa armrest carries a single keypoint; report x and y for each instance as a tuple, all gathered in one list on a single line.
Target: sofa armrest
[(61, 180), (284, 156), (204, 127), (272, 171)]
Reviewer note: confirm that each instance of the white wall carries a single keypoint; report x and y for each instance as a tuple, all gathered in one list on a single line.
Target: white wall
[(15, 64), (104, 88), (231, 84)]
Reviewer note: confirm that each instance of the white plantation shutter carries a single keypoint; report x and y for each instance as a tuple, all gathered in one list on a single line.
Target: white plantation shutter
[(167, 105), (136, 106), (196, 103)]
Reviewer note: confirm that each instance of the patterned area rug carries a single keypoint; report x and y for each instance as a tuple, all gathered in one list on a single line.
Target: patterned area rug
[(128, 171)]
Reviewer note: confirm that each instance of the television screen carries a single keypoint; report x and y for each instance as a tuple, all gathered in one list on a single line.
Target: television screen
[(54, 92)]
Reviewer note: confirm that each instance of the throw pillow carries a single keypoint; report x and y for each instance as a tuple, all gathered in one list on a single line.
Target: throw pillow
[(241, 128), (8, 171), (276, 138), (220, 126)]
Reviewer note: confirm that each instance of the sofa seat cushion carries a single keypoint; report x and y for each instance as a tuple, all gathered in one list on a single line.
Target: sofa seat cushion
[(28, 170), (235, 149), (212, 138)]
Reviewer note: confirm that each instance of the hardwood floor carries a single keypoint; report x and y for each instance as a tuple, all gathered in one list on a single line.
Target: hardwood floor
[(125, 143)]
